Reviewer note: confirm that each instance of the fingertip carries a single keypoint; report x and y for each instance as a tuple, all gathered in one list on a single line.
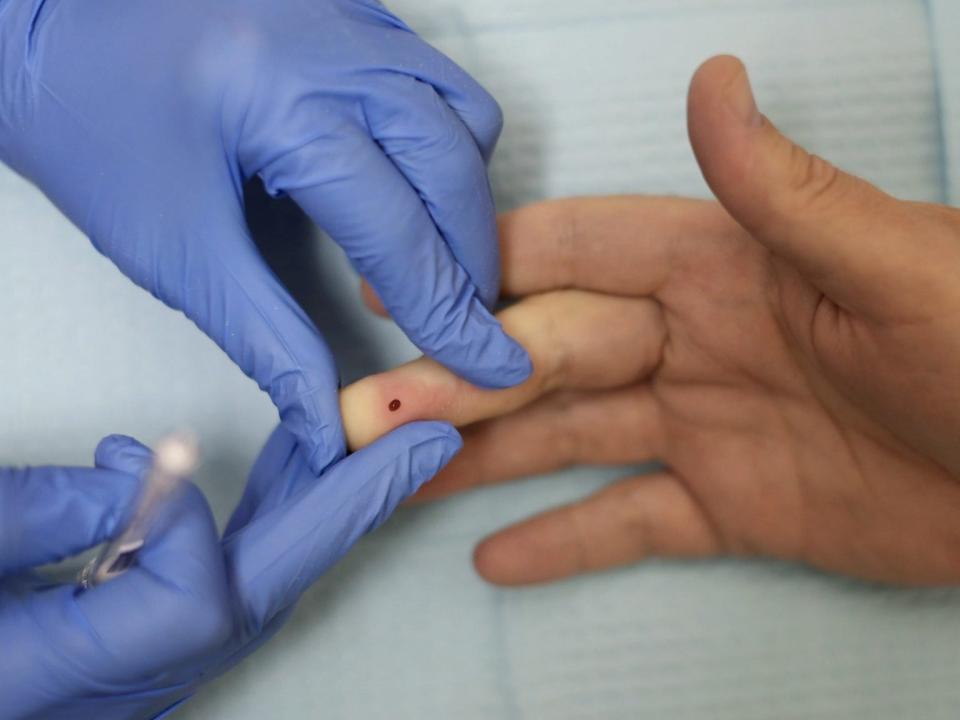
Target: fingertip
[(721, 84), (501, 361), (480, 113), (455, 477), (511, 364), (722, 123), (720, 99), (520, 367), (486, 561), (471, 342), (500, 563), (116, 442), (446, 431), (715, 73), (395, 467), (122, 453), (451, 442), (537, 550), (486, 124), (313, 417), (326, 448), (440, 443)]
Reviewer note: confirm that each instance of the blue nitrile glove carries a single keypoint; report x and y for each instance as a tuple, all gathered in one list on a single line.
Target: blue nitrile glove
[(141, 120), (194, 605)]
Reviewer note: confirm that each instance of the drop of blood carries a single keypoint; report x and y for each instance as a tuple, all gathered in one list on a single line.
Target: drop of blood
[(394, 405)]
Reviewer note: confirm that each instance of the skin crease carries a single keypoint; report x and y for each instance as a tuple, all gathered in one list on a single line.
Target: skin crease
[(789, 354)]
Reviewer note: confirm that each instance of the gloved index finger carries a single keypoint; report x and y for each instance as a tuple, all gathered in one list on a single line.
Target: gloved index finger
[(243, 306), (373, 213), (270, 481), (430, 146)]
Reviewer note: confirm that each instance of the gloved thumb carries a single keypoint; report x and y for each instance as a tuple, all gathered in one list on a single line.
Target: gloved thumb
[(840, 232), (123, 454), (281, 552)]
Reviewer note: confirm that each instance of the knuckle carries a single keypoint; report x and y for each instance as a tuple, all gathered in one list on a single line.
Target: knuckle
[(943, 220), (566, 434), (637, 518), (213, 626), (445, 143), (551, 367), (586, 555), (812, 183), (938, 252), (227, 51), (563, 222)]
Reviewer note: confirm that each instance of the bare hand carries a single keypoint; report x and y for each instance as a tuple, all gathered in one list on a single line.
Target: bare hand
[(791, 356)]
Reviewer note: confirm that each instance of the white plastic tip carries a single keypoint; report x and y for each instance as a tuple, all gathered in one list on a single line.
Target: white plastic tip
[(177, 454)]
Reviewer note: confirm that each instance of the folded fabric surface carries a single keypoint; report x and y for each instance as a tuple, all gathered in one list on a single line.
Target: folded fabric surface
[(944, 21)]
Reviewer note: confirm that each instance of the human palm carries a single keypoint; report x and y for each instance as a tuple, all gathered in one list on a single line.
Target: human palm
[(771, 446)]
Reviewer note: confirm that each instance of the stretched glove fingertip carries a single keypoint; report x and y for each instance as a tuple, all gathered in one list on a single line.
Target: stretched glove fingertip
[(122, 453), (431, 457)]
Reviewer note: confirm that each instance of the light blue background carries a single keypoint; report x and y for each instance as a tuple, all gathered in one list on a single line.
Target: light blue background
[(594, 97)]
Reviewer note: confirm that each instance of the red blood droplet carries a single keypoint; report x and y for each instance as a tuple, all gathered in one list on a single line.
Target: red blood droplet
[(394, 405)]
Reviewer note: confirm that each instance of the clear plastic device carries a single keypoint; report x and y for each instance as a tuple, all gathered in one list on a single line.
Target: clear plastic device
[(175, 459)]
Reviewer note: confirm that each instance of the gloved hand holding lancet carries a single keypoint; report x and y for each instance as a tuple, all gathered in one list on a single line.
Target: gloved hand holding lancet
[(193, 604)]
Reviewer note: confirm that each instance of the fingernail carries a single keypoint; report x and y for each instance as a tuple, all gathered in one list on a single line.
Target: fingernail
[(739, 97)]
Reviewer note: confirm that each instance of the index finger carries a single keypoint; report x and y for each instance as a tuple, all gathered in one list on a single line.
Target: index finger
[(624, 245)]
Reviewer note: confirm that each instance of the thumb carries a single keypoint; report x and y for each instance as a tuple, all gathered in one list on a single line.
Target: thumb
[(861, 247), (122, 453), (51, 513), (281, 552)]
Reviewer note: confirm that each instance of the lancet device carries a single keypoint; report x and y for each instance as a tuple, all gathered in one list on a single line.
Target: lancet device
[(175, 459)]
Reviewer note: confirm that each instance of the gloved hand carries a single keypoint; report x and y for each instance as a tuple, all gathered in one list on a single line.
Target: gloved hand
[(194, 605), (142, 119)]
